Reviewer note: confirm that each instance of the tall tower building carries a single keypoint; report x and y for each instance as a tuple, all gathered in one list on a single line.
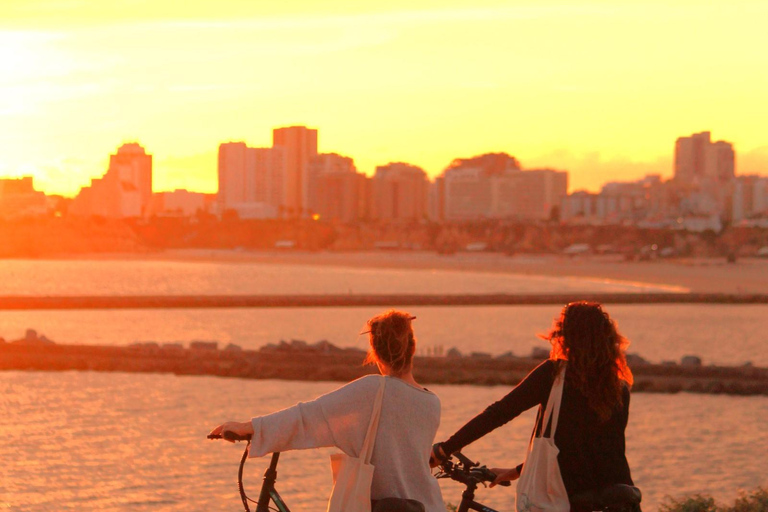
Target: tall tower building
[(400, 192), (720, 162), (133, 166), (250, 179), (232, 174), (337, 190), (698, 159), (299, 145), (124, 191)]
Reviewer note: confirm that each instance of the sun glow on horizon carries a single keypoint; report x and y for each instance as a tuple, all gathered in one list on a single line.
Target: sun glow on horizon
[(598, 89)]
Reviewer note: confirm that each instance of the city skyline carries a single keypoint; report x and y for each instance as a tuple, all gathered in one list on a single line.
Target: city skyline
[(596, 89), (265, 151)]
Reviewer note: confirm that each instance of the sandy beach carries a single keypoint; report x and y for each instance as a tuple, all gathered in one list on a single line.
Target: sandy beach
[(694, 275)]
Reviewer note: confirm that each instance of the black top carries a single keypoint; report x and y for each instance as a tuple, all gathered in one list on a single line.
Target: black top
[(591, 452)]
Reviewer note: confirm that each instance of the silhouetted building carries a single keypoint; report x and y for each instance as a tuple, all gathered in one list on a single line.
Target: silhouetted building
[(528, 195), (337, 190), (18, 198), (250, 180), (698, 159), (232, 173), (750, 197), (704, 174), (399, 192), (470, 185), (299, 144), (124, 191), (133, 166)]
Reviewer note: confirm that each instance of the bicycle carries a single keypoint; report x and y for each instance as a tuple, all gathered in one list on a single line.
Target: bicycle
[(268, 492), (471, 474), (615, 498)]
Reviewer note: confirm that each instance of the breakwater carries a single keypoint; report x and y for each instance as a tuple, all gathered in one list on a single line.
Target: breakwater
[(346, 300), (325, 362)]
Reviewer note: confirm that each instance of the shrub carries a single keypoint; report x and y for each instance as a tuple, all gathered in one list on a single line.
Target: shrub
[(696, 503), (756, 501)]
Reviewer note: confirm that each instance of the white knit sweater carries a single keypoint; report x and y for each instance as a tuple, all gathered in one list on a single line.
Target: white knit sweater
[(407, 427)]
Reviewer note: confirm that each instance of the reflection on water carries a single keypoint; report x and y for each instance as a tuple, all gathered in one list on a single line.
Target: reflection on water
[(89, 441)]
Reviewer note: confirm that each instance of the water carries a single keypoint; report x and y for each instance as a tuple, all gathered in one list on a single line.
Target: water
[(137, 442), (87, 441)]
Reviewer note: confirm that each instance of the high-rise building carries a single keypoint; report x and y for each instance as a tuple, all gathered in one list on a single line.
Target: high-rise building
[(250, 180), (530, 195), (399, 192), (337, 190), (698, 160), (299, 145), (266, 168), (469, 185), (467, 193), (133, 166), (124, 191), (232, 172), (18, 198)]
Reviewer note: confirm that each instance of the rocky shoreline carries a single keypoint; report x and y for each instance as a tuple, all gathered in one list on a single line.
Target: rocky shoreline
[(325, 362)]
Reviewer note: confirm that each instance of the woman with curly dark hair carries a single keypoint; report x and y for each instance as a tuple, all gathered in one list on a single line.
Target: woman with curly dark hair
[(588, 351)]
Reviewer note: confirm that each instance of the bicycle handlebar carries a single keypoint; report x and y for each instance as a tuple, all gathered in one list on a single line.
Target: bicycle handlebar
[(466, 471), (231, 436)]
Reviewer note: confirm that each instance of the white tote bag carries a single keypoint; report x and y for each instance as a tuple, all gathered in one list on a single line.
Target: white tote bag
[(352, 477), (541, 488)]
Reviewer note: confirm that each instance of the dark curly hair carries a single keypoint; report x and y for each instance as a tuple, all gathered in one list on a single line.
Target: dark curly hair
[(392, 341), (588, 339)]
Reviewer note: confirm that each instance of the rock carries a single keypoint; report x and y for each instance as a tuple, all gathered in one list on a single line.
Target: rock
[(539, 353), (690, 361), (233, 348), (204, 345), (453, 352), (172, 348), (506, 355), (633, 359), (480, 355), (30, 336), (325, 346)]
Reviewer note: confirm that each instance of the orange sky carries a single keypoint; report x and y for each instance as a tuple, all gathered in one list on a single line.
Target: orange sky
[(596, 88)]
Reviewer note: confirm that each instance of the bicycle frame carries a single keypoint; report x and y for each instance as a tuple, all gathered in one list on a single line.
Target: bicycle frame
[(268, 492), (468, 501)]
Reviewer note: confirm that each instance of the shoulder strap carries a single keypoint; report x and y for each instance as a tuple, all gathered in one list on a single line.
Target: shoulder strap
[(370, 437), (554, 402)]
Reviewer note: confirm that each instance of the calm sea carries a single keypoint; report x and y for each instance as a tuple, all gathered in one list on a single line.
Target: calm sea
[(87, 441)]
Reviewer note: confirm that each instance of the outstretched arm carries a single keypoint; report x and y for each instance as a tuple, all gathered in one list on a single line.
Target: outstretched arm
[(532, 390), (338, 418)]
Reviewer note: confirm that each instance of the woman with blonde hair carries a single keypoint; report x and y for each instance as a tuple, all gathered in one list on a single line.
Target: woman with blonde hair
[(407, 424), (588, 351)]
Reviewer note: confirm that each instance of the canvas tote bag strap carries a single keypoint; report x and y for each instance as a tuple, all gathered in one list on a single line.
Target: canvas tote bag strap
[(370, 437), (553, 403)]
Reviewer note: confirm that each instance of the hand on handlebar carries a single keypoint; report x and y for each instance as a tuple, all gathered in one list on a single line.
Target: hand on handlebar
[(437, 456), (504, 475), (240, 429)]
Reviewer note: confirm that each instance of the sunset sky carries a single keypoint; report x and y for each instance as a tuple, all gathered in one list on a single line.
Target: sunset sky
[(601, 89)]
